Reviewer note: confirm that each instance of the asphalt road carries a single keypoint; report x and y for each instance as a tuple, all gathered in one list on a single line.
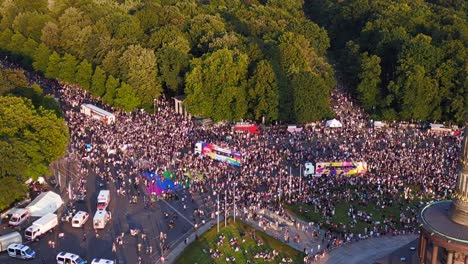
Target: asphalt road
[(150, 218)]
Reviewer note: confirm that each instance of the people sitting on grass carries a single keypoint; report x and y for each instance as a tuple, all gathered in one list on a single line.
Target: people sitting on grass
[(214, 253)]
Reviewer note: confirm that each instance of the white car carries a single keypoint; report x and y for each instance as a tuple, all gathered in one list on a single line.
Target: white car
[(69, 258), (80, 219), (101, 261)]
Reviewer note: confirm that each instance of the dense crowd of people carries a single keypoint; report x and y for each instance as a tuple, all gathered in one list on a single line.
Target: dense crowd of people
[(406, 164)]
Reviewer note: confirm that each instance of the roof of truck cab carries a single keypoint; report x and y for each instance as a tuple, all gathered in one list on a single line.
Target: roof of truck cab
[(17, 246), (101, 261)]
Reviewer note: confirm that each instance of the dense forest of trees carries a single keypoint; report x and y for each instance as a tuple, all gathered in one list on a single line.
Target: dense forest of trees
[(32, 134), (231, 59), (254, 59), (403, 59)]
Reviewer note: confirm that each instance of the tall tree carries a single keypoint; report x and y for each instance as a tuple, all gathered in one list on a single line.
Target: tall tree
[(5, 38), (173, 62), (311, 97), (30, 24), (369, 76), (110, 63), (38, 134), (11, 190), (111, 89), (29, 48), (98, 82), (41, 58), (263, 92), (215, 85), (53, 66), (16, 44), (51, 35), (126, 98), (139, 68), (84, 73), (68, 67)]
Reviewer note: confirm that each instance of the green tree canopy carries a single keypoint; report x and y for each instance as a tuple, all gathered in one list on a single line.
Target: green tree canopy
[(68, 67), (98, 82), (369, 76), (41, 58), (37, 134), (53, 66), (215, 85), (139, 68), (84, 74), (263, 92), (126, 97)]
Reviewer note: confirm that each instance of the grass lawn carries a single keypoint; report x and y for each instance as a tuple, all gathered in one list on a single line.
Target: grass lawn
[(194, 252), (341, 214)]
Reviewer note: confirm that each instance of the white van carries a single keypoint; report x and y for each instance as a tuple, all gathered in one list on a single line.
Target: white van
[(19, 216), (20, 251), (80, 219), (100, 219), (69, 258), (103, 199), (101, 261)]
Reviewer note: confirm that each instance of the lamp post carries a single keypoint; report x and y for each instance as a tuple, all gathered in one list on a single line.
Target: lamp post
[(217, 212), (154, 106), (234, 195), (225, 208)]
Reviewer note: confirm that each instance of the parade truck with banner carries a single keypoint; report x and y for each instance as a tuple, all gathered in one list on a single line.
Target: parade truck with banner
[(341, 167), (218, 153), (97, 113)]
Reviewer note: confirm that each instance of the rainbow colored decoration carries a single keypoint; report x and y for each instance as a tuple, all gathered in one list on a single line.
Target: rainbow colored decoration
[(218, 153), (160, 184)]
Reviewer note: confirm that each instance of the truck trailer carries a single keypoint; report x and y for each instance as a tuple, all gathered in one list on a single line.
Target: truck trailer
[(8, 239), (41, 226)]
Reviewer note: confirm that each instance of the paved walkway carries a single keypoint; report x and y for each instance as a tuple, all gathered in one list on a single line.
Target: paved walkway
[(367, 251)]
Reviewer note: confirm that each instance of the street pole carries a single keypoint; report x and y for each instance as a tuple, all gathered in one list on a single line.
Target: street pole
[(234, 195), (280, 189), (290, 183), (60, 181), (225, 207), (69, 191), (217, 212), (300, 179)]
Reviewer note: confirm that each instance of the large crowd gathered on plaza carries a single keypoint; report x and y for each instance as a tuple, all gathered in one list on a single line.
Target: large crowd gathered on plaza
[(405, 162)]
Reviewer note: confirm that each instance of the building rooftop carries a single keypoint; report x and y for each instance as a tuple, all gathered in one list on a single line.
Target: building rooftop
[(435, 218)]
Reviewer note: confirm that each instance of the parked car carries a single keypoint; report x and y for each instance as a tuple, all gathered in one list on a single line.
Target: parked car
[(20, 251)]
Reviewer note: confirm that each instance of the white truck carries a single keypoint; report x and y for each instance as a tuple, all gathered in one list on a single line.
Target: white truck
[(41, 226), (103, 199), (8, 239), (309, 169), (100, 219)]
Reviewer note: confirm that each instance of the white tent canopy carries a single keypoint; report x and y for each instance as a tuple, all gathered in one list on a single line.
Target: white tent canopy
[(46, 202), (333, 123)]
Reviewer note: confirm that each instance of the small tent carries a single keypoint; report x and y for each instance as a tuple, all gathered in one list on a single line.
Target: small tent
[(46, 202), (333, 123)]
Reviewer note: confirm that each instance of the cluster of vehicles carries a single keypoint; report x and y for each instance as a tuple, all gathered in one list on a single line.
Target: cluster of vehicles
[(12, 242)]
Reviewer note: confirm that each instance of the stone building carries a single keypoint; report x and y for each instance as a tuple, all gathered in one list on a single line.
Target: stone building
[(444, 224)]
